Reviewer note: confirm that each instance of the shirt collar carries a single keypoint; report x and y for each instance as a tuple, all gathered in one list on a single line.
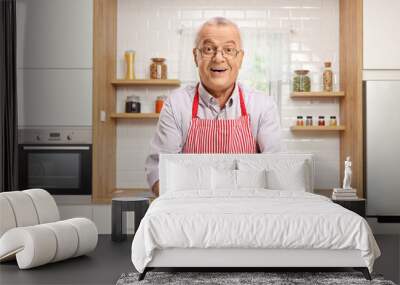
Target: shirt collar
[(211, 101)]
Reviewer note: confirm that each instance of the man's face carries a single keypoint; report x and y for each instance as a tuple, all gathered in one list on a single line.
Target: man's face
[(218, 72)]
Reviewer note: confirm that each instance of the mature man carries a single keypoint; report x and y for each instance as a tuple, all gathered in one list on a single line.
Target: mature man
[(217, 115)]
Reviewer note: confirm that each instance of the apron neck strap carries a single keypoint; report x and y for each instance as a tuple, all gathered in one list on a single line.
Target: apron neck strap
[(195, 105), (242, 105)]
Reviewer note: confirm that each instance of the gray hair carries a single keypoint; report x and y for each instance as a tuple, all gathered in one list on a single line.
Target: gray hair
[(216, 21)]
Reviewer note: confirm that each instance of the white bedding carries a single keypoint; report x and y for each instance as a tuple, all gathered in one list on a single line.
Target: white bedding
[(251, 218)]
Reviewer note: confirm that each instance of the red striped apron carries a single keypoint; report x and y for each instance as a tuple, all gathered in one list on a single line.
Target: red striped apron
[(219, 136)]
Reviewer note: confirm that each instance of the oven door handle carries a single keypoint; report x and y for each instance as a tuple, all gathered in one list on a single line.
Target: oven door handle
[(56, 148)]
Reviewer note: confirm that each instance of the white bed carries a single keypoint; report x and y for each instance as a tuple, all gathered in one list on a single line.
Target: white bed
[(224, 216)]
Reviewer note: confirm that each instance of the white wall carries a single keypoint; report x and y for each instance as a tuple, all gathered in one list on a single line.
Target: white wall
[(151, 29)]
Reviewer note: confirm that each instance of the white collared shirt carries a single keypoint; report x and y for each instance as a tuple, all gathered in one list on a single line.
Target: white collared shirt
[(176, 115)]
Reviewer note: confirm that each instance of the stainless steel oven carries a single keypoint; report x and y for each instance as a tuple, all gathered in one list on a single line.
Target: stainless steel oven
[(57, 160)]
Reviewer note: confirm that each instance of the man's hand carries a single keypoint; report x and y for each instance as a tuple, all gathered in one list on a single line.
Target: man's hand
[(155, 189)]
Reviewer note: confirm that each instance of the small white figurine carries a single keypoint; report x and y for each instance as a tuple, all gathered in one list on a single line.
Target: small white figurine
[(347, 174)]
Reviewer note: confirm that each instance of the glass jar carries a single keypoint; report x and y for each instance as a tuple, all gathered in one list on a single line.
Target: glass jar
[(301, 81), (321, 121), (333, 121), (158, 69), (327, 77), (309, 121), (159, 103), (300, 121), (132, 104), (130, 65)]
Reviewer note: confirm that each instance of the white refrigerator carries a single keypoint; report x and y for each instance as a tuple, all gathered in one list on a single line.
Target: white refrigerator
[(382, 149)]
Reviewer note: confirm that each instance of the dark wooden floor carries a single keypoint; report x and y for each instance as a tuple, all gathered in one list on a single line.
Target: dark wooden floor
[(111, 259), (103, 266)]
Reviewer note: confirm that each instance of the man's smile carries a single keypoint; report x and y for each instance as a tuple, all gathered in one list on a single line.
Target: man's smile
[(218, 70)]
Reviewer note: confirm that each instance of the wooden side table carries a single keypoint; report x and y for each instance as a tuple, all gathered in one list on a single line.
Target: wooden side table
[(356, 205), (119, 205)]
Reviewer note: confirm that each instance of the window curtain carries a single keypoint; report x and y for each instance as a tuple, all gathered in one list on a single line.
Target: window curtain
[(8, 97), (266, 59)]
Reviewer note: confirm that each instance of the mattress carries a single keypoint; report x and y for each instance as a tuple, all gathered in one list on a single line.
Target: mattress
[(250, 219)]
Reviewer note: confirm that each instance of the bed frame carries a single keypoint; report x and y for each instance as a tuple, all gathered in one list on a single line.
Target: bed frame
[(241, 259), (249, 259)]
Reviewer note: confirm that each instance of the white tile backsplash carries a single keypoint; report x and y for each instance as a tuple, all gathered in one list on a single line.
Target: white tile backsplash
[(191, 14), (235, 14), (151, 28)]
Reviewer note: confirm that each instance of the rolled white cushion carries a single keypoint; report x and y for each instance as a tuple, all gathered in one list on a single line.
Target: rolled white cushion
[(37, 245), (67, 240), (7, 218), (34, 245), (87, 235), (23, 208), (45, 205)]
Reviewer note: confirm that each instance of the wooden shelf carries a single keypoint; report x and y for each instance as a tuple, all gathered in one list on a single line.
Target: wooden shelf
[(134, 115), (317, 95), (146, 82), (134, 192), (141, 192), (125, 192), (317, 128)]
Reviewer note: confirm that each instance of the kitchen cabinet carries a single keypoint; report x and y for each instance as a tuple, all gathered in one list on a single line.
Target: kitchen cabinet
[(54, 33), (54, 62), (54, 97), (99, 214), (75, 211), (381, 39)]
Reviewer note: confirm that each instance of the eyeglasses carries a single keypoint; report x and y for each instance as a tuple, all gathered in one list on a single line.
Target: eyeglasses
[(210, 51)]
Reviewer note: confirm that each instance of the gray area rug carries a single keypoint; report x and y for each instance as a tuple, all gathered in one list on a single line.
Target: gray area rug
[(269, 278)]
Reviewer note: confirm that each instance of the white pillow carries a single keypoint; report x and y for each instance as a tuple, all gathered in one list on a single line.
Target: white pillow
[(282, 174), (293, 178), (251, 178), (223, 179), (181, 177)]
